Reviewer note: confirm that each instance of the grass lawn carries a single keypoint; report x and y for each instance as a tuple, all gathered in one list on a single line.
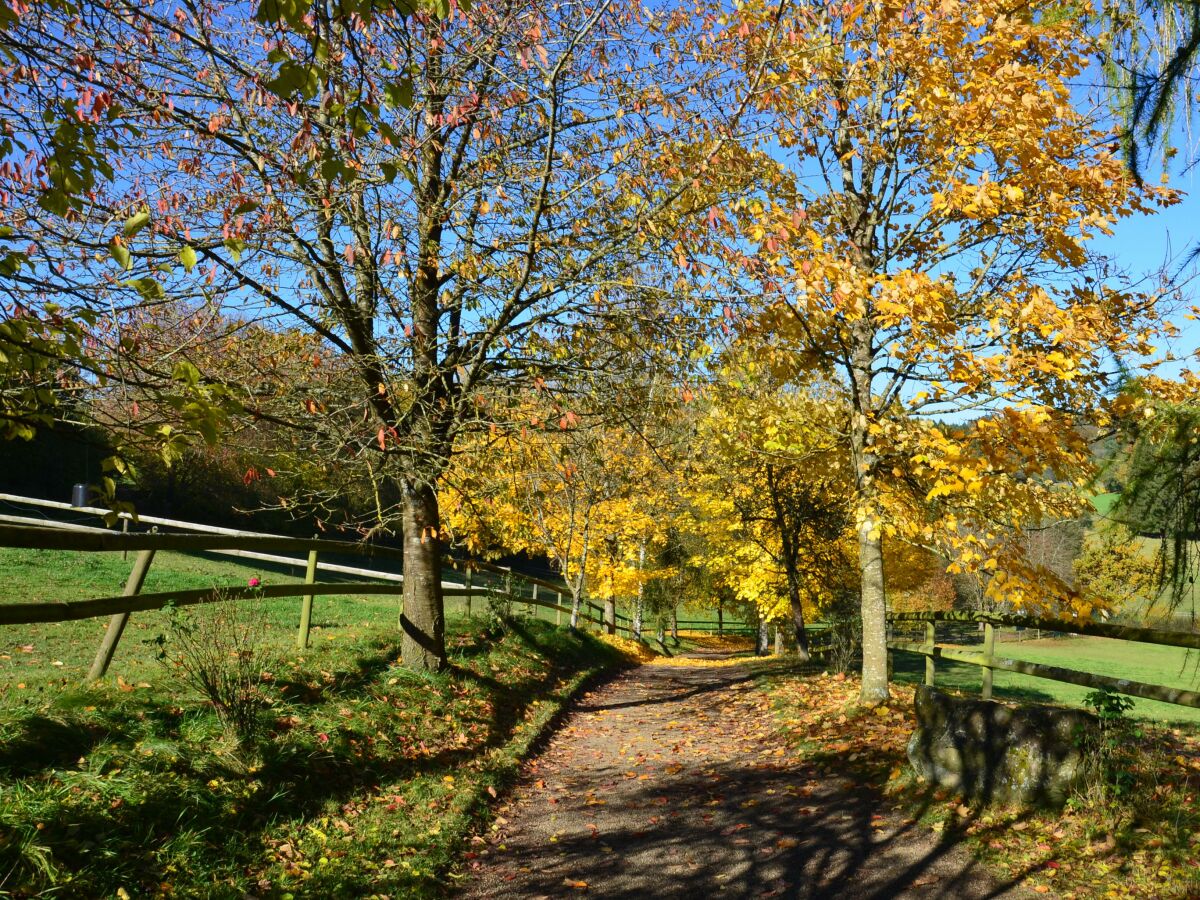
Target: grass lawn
[(1104, 503), (1170, 666), (366, 781)]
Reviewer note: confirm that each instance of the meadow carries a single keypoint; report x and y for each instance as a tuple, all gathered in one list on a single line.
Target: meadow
[(1170, 666), (367, 779)]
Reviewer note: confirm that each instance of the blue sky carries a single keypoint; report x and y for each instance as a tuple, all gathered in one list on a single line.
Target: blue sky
[(1146, 244)]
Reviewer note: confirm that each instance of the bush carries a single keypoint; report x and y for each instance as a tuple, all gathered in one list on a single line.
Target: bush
[(845, 633), (219, 650)]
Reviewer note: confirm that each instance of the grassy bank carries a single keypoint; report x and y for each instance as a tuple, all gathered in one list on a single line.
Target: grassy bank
[(364, 783)]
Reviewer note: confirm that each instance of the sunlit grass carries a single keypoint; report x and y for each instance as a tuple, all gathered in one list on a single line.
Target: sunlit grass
[(1169, 666), (367, 781)]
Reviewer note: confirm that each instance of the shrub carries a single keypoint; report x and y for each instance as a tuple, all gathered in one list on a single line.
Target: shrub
[(219, 650), (845, 633)]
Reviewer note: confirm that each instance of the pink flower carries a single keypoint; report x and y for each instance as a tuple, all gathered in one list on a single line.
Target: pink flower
[(254, 582)]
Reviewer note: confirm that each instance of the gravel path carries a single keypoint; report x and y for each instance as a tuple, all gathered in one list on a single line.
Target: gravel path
[(670, 781)]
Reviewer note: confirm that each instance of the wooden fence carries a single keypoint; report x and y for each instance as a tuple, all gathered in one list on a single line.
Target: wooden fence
[(502, 585), (989, 661)]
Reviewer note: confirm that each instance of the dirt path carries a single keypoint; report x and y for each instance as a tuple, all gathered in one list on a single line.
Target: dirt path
[(671, 782)]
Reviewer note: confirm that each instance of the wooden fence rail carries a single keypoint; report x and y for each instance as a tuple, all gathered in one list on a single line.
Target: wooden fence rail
[(67, 536), (27, 533), (23, 531), (989, 662)]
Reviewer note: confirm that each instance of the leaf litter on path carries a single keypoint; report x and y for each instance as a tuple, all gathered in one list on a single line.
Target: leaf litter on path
[(682, 781)]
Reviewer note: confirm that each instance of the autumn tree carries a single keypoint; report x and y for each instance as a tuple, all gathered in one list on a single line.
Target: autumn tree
[(577, 490), (1117, 571), (772, 493), (922, 237), (1158, 423), (443, 194)]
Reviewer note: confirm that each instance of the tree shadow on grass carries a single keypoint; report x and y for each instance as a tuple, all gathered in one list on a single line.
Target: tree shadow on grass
[(135, 820), (49, 742)]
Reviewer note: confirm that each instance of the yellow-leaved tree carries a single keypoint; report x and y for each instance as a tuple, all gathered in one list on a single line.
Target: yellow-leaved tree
[(929, 186), (587, 494), (770, 501)]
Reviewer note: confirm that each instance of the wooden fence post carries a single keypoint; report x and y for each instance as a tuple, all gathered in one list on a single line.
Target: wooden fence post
[(116, 624), (930, 641), (467, 584), (989, 651), (306, 602), (558, 612), (533, 606)]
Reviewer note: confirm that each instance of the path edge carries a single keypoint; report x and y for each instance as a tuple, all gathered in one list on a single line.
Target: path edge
[(478, 806)]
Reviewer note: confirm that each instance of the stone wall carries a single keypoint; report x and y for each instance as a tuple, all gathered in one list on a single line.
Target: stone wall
[(1027, 755)]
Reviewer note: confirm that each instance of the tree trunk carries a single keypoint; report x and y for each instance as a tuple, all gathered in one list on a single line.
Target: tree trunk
[(720, 619), (870, 525), (778, 641), (576, 605), (799, 627), (874, 615), (790, 551), (764, 638), (610, 616), (637, 606), (423, 618), (675, 625)]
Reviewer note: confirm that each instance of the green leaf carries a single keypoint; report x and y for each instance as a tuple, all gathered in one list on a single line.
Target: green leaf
[(137, 222), (235, 246), (295, 78), (272, 12), (245, 207), (11, 263), (120, 253), (186, 372), (331, 169), (398, 94), (148, 287), (187, 256)]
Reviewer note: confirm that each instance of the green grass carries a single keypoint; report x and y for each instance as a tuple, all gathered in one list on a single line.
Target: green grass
[(1170, 666), (367, 780)]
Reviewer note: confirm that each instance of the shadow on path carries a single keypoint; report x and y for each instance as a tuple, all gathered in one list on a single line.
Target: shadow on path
[(676, 782)]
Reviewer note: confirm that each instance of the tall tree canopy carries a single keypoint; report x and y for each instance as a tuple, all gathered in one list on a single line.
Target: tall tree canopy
[(444, 199), (928, 192)]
